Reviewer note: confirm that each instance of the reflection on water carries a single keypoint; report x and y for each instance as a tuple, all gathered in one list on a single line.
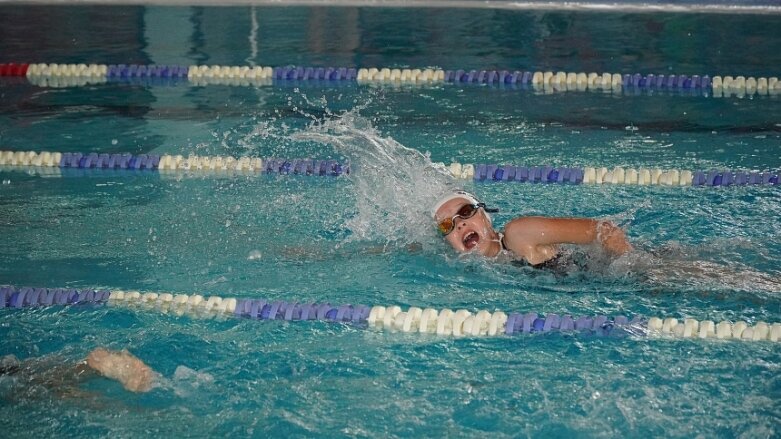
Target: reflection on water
[(395, 37)]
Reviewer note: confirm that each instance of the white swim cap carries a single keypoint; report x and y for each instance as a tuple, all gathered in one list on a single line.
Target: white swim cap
[(452, 196)]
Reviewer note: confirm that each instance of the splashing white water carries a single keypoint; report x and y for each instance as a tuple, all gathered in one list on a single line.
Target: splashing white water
[(394, 186)]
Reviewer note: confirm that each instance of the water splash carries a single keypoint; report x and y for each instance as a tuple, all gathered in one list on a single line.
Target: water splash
[(394, 186), (677, 267)]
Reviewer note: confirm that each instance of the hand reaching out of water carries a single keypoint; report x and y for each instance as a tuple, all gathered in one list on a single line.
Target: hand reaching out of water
[(612, 238), (124, 367)]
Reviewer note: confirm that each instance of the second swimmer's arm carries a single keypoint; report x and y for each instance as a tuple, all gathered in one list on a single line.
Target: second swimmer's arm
[(531, 235), (131, 372)]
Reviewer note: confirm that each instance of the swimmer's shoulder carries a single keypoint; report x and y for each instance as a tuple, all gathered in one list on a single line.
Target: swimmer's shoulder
[(521, 237), (508, 256), (521, 231)]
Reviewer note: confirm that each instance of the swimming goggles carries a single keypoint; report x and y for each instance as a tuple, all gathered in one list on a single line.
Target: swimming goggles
[(465, 212)]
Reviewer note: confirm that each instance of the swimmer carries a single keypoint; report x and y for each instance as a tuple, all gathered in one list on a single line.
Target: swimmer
[(122, 366), (465, 224)]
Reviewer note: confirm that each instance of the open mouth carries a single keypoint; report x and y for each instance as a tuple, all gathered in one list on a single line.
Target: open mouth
[(470, 240)]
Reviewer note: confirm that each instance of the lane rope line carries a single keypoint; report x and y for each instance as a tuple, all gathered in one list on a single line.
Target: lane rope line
[(444, 322)]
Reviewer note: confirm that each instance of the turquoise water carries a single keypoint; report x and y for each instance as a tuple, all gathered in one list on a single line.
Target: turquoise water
[(702, 253)]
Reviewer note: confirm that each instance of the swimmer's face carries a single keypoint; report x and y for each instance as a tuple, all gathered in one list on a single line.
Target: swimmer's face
[(474, 234)]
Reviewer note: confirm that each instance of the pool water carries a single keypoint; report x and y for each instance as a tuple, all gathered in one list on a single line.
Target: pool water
[(703, 253)]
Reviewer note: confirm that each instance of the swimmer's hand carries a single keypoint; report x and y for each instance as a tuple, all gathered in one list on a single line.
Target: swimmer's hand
[(612, 238), (124, 367)]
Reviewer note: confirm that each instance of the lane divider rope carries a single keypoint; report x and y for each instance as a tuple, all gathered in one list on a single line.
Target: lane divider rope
[(718, 86), (616, 175), (164, 163), (477, 172), (445, 322)]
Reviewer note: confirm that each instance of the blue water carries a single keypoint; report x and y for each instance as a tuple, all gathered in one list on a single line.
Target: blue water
[(702, 253)]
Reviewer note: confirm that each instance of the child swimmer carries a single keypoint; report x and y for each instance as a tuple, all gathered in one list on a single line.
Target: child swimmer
[(465, 224)]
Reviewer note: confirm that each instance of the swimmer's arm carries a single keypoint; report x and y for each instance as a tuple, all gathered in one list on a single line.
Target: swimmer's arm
[(529, 233), (122, 366)]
